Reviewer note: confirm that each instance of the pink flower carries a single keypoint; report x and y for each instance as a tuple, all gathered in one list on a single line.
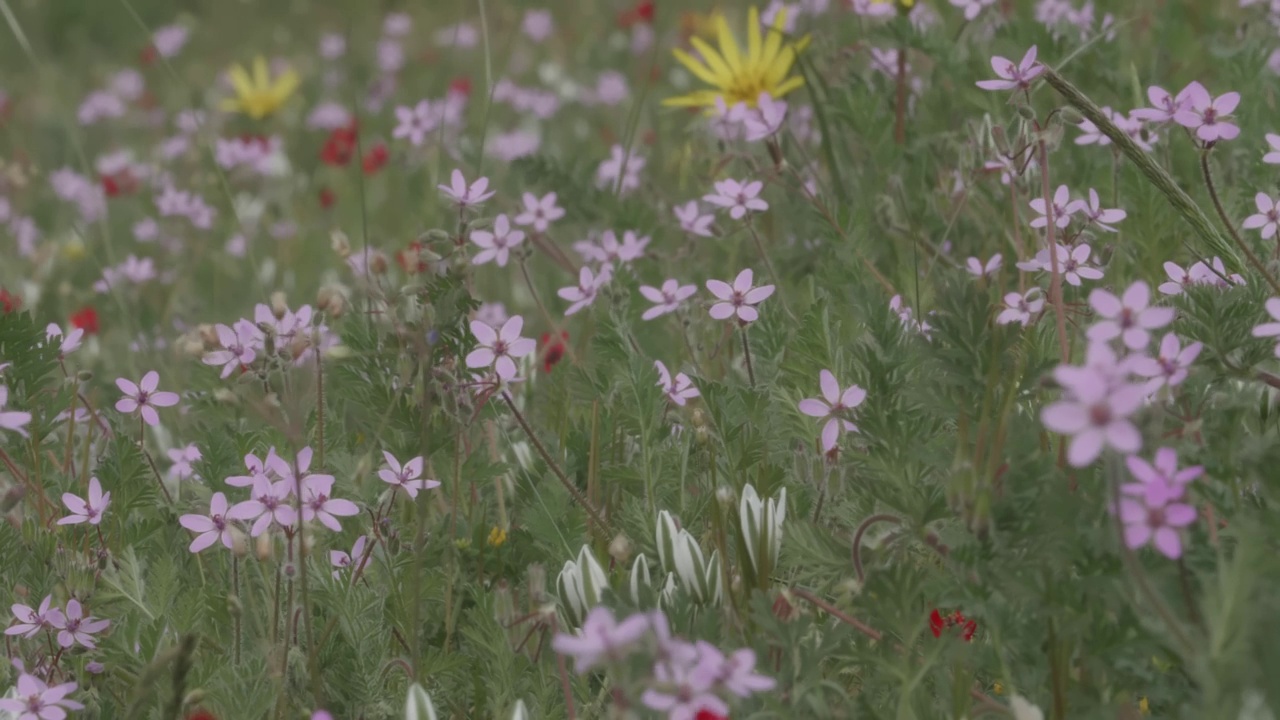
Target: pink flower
[(1013, 77), (1171, 365), (318, 505), (978, 269), (405, 476), (621, 170), (835, 406), (1094, 213), (1094, 414), (738, 299), (1155, 523), (1273, 155), (735, 672), (602, 638), (12, 419), (31, 622), (1021, 308), (1074, 264), (1128, 317), (1267, 217), (66, 345), (766, 120), (415, 123), (268, 503), (144, 398), (692, 221), (588, 286), (78, 628), (683, 688), (537, 24), (341, 560), (498, 348), (1162, 482), (1092, 134), (972, 7), (1164, 106), (82, 511), (239, 346), (212, 528), (463, 195), (539, 212), (1062, 209), (679, 389), (37, 701), (667, 299), (1271, 329), (740, 198), (1207, 115), (496, 245)]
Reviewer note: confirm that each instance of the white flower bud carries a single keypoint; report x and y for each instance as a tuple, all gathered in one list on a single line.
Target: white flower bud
[(639, 575), (418, 705)]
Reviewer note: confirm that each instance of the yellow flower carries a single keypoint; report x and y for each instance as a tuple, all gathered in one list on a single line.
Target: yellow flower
[(903, 5), (73, 250), (702, 25), (259, 95), (997, 688), (737, 78), (497, 536), (1144, 707)]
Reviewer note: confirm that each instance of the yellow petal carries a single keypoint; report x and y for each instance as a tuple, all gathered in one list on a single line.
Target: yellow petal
[(695, 67), (775, 37), (261, 80), (753, 36), (701, 98), (792, 83), (728, 46), (285, 85), (230, 105), (714, 61), (240, 81)]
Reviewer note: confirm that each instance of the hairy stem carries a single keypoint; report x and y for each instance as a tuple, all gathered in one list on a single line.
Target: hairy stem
[(856, 550), (1055, 283), (746, 354), (1254, 260)]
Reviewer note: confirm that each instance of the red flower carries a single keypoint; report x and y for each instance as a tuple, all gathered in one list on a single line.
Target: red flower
[(9, 302), (340, 146), (202, 715), (553, 349), (148, 55), (121, 183), (461, 84), (327, 198), (708, 715), (410, 259), (85, 319), (641, 13), (938, 623), (375, 159)]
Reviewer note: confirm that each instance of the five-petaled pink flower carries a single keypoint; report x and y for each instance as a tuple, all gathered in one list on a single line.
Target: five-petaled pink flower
[(32, 621), (499, 348), (407, 476), (1021, 308), (1271, 329), (1207, 115), (601, 639), (238, 346), (340, 559), (1128, 317), (12, 419), (1164, 106), (37, 701), (666, 299), (1094, 212), (589, 284), (1013, 76), (740, 198), (1273, 155), (214, 527), (738, 299), (77, 627), (834, 406), (1155, 523), (692, 220), (735, 672), (496, 245), (678, 389), (269, 502), (1095, 412), (1170, 366), (465, 196), (1063, 208), (143, 398), (539, 212), (89, 511), (317, 504), (1159, 482), (1267, 217)]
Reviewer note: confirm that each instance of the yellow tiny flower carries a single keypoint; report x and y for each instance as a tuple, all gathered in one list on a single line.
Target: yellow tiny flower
[(997, 688), (259, 95), (1144, 707), (737, 78), (73, 250), (497, 537)]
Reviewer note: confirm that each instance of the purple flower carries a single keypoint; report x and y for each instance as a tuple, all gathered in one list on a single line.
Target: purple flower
[(1271, 329), (12, 419), (341, 560), (588, 286), (1170, 366), (1208, 115), (31, 622), (537, 24), (332, 46), (318, 505), (692, 221), (1157, 524), (740, 198), (834, 406), (464, 195), (1267, 217), (1013, 77), (143, 398), (1160, 482), (1128, 317), (496, 245), (77, 627), (972, 7), (238, 346), (66, 345), (978, 269), (498, 348), (683, 688), (1094, 213), (1164, 106), (766, 120), (405, 476), (679, 389), (1062, 209), (82, 511), (735, 672), (212, 528), (738, 299), (667, 299), (38, 701), (539, 212), (168, 40), (416, 122), (268, 503), (622, 170), (1273, 155), (1094, 414), (1021, 308), (602, 638)]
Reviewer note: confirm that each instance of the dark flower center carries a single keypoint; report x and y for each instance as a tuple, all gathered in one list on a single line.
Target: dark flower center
[(1100, 414)]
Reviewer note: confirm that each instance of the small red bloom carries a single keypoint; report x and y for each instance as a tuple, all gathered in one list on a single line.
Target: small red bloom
[(202, 715), (553, 349), (9, 302), (461, 84), (85, 319), (340, 146), (148, 55), (708, 715), (327, 198), (375, 159), (938, 623), (121, 183), (410, 259), (641, 13)]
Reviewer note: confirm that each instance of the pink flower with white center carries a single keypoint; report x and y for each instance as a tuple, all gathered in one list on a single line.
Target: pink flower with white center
[(1208, 115), (667, 299), (66, 345), (318, 505), (1062, 209), (1170, 367), (342, 560), (589, 284), (464, 195), (407, 477), (1267, 217), (78, 628), (978, 269), (740, 198), (496, 245), (416, 123), (678, 389), (1013, 76), (1095, 414), (1091, 134), (297, 474), (1128, 317), (143, 398), (268, 503), (1021, 308), (539, 212), (37, 701), (1094, 213), (211, 528), (738, 299), (169, 40), (602, 638), (1155, 523), (239, 346), (498, 349), (182, 459), (12, 419), (1273, 155), (610, 251), (766, 120), (1271, 329), (31, 622), (692, 220), (89, 511), (1161, 482), (682, 690), (834, 406), (1164, 106)]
